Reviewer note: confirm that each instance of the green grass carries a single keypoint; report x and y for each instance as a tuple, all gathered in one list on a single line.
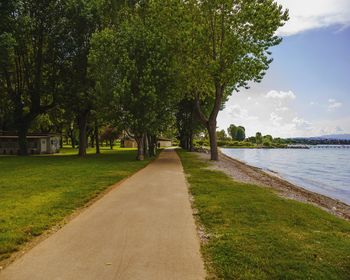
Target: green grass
[(255, 234), (37, 192)]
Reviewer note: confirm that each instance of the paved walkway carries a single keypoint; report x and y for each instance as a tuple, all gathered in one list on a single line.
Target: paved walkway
[(143, 229)]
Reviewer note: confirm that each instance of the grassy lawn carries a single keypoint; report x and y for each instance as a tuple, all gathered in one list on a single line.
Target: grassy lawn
[(39, 191), (254, 234)]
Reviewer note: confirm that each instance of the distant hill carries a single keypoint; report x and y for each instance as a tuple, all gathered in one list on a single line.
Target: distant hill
[(335, 137), (327, 137)]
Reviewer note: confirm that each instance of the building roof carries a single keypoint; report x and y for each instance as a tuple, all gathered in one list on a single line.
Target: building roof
[(163, 139), (7, 135), (16, 136)]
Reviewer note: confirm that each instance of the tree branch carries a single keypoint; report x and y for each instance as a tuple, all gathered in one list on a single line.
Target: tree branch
[(129, 134), (217, 103), (199, 112)]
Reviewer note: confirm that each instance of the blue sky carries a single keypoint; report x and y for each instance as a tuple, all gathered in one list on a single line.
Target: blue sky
[(306, 91)]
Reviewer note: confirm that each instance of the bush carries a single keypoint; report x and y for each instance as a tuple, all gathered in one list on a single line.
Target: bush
[(267, 144)]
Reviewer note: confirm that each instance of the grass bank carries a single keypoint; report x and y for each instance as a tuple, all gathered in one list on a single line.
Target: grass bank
[(37, 192), (255, 234)]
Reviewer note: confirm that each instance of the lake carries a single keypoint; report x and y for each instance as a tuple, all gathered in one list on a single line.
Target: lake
[(322, 170)]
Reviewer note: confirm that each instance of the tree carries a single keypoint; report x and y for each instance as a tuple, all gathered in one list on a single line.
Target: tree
[(110, 134), (221, 135), (83, 19), (6, 120), (268, 138), (232, 131), (236, 132), (251, 139), (134, 65), (258, 138), (186, 124), (31, 59), (232, 40), (240, 135)]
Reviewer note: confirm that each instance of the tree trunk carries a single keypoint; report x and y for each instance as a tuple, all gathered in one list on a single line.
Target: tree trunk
[(191, 147), (140, 147), (154, 142), (151, 146), (145, 145), (82, 123), (73, 140), (214, 155), (61, 140), (210, 122), (22, 139), (92, 140), (72, 137), (182, 142), (96, 139), (111, 143)]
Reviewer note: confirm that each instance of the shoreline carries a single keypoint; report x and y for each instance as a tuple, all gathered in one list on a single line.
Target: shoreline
[(243, 172)]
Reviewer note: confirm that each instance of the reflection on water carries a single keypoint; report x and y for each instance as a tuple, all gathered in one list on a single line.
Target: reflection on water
[(326, 171)]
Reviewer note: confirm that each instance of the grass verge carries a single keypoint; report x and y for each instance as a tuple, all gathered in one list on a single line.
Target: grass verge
[(255, 234), (37, 192)]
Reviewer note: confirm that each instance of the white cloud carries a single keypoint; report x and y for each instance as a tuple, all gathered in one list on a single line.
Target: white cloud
[(312, 14), (302, 124), (278, 115), (280, 94), (275, 119), (271, 113), (236, 111), (282, 109), (333, 104), (336, 126)]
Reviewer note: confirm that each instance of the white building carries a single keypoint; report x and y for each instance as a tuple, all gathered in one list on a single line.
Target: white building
[(37, 144)]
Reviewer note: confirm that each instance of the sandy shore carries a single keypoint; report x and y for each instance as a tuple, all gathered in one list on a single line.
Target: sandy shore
[(242, 172)]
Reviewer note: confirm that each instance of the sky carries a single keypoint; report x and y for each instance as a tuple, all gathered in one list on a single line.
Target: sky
[(306, 91)]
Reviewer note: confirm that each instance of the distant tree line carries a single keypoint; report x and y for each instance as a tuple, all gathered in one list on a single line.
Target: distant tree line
[(236, 137)]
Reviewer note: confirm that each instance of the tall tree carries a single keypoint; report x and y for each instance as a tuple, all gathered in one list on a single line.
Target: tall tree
[(134, 65), (232, 40), (258, 138), (236, 132), (232, 131), (31, 59), (221, 135), (83, 19), (187, 124), (240, 135)]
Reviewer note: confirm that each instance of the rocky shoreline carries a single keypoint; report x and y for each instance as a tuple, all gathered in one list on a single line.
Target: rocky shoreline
[(242, 172)]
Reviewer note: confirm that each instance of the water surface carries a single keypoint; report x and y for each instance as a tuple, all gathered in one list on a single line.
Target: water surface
[(322, 170)]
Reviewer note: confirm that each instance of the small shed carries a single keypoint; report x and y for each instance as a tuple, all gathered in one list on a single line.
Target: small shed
[(164, 142), (128, 142), (37, 144)]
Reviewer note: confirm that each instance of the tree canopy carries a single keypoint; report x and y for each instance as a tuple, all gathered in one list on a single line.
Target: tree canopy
[(143, 67)]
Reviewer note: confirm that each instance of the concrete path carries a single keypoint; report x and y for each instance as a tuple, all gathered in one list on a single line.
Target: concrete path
[(143, 229)]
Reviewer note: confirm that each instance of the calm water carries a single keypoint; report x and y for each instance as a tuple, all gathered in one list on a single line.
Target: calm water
[(326, 171)]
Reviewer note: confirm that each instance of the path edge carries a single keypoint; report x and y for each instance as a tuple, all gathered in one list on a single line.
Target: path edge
[(26, 247)]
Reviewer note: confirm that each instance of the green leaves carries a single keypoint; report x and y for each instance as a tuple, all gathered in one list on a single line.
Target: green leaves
[(134, 62), (7, 44)]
